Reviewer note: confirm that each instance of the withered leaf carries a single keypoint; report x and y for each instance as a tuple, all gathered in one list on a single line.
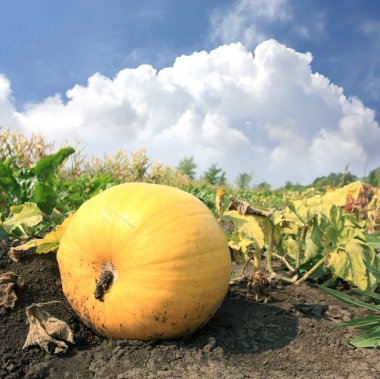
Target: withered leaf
[(15, 252), (245, 209), (220, 193), (8, 296), (46, 331)]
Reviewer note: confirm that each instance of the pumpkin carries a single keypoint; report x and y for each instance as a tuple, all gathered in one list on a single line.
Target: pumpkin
[(144, 261)]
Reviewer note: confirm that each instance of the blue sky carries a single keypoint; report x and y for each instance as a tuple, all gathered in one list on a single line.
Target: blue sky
[(49, 47)]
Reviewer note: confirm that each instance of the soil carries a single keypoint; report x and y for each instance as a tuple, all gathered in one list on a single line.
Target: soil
[(292, 336)]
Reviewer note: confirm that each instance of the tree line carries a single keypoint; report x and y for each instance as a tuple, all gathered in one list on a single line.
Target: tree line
[(217, 176)]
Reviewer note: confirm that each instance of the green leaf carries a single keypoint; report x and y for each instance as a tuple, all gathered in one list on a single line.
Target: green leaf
[(44, 196), (370, 339), (7, 180), (373, 295), (27, 215), (362, 323), (313, 241), (336, 217), (332, 235), (47, 167), (349, 300)]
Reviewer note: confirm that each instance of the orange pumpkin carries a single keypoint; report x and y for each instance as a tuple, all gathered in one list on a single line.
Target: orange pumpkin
[(144, 261)]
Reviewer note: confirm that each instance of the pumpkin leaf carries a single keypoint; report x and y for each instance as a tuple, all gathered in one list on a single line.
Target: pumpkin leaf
[(28, 215), (44, 245), (360, 257), (338, 261), (352, 264), (291, 247), (46, 331), (52, 240), (313, 241), (247, 225), (8, 281)]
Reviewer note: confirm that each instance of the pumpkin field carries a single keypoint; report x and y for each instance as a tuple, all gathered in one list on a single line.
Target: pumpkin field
[(118, 267)]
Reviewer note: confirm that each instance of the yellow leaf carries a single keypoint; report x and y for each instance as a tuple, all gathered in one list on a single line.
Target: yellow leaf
[(338, 261), (248, 225), (27, 214), (51, 241)]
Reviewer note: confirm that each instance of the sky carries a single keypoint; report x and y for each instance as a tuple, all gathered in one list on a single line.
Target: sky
[(285, 90)]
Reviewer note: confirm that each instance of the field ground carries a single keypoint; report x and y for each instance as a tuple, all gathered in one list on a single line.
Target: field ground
[(291, 337)]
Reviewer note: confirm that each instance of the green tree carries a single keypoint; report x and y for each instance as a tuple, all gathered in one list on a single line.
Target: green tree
[(215, 175), (222, 179), (334, 180), (243, 180), (289, 186), (262, 187), (374, 177), (187, 166)]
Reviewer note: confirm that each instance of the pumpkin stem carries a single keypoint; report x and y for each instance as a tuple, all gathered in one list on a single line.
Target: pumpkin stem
[(103, 284)]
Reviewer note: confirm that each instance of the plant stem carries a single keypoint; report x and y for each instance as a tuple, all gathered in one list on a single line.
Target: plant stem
[(311, 271), (242, 274), (283, 259), (257, 259)]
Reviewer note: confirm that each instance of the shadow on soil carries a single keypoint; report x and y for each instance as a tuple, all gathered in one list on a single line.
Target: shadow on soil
[(242, 326)]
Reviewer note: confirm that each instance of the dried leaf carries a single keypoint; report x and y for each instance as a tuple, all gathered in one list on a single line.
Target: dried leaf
[(8, 296), (219, 200), (47, 331), (245, 209), (15, 252)]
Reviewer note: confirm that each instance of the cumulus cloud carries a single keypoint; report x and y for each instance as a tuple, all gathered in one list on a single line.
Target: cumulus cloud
[(264, 112)]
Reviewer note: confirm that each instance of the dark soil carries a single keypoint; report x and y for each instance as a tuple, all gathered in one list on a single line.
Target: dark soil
[(291, 337)]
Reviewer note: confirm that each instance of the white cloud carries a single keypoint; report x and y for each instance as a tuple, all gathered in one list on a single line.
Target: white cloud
[(254, 21), (265, 113), (6, 103), (248, 21)]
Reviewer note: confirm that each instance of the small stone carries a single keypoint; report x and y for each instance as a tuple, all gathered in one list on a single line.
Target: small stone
[(210, 345), (10, 367)]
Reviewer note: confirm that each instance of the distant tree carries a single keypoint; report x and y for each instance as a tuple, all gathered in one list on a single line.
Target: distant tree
[(222, 179), (373, 177), (187, 166), (215, 175), (243, 180), (289, 186), (263, 186), (334, 180)]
